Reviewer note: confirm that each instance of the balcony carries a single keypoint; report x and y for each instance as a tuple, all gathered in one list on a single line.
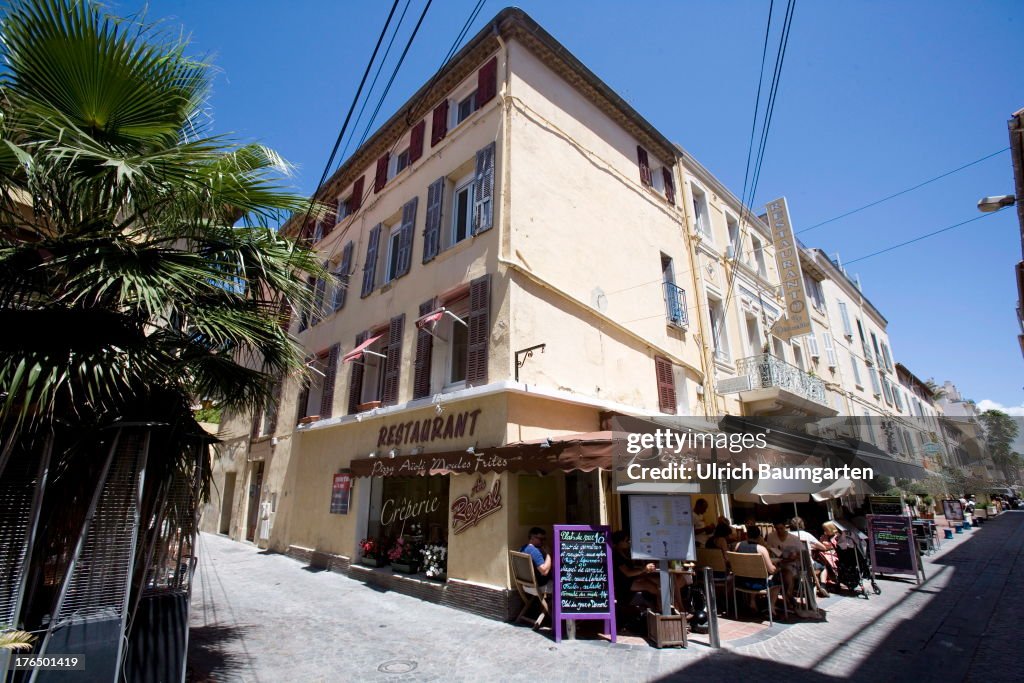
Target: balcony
[(776, 387), (675, 302)]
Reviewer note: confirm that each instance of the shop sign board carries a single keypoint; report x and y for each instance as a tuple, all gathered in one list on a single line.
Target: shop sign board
[(892, 545), (953, 510), (341, 492), (886, 505), (661, 527), (583, 576), (467, 511)]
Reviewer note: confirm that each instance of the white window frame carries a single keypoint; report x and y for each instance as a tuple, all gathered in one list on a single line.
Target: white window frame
[(464, 183), (719, 331), (830, 351), (393, 168), (342, 211), (732, 230), (798, 355), (394, 242), (682, 391), (373, 369), (700, 201), (456, 104), (757, 251), (459, 308)]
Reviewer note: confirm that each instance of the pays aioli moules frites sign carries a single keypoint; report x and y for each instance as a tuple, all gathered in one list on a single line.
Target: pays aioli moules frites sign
[(797, 320)]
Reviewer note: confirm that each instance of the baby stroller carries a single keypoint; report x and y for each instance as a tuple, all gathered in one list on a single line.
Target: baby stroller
[(854, 567)]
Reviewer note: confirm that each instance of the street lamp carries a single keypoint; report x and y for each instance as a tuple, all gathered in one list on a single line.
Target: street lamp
[(996, 202)]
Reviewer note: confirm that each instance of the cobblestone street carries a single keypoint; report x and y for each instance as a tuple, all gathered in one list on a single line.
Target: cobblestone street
[(265, 617)]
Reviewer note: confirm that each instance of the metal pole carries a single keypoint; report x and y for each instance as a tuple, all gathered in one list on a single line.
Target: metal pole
[(712, 606)]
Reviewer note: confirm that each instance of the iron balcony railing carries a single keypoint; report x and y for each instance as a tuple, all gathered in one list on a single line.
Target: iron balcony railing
[(766, 371), (675, 302)]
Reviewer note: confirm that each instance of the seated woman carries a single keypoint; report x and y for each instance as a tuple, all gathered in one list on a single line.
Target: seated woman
[(828, 556), (720, 541), (629, 577), (754, 545)]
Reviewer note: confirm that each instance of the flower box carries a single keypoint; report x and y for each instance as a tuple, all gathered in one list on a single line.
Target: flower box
[(405, 568), (665, 631), (369, 405), (373, 561), (309, 419)]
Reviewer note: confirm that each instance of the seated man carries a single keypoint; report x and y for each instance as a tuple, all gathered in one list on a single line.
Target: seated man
[(540, 556), (787, 547), (753, 545)]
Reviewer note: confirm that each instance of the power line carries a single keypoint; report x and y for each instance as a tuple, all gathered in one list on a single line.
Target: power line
[(902, 192), (918, 239)]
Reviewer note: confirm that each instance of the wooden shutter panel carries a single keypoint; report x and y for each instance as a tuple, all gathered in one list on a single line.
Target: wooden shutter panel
[(319, 293), (439, 123), (432, 229), (666, 385), (405, 236), (645, 166), (257, 418), (424, 351), (393, 363), (416, 141), (344, 270), (304, 320), (483, 190), (479, 330), (303, 403), (327, 395), (670, 188), (355, 380), (370, 266), (487, 82), (285, 316), (356, 200), (275, 403), (381, 179)]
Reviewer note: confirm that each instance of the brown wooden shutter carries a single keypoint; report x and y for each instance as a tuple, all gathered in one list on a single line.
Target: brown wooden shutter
[(256, 419), (381, 179), (405, 236), (479, 330), (330, 220), (645, 166), (370, 266), (304, 320), (327, 395), (319, 293), (416, 141), (344, 271), (483, 190), (356, 200), (424, 351), (666, 385), (393, 363), (439, 123), (432, 228), (487, 82), (275, 404), (670, 187), (355, 380), (303, 403), (285, 316)]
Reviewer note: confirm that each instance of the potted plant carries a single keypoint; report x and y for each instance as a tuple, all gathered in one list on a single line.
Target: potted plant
[(370, 553), (435, 561), (404, 556), (924, 506)]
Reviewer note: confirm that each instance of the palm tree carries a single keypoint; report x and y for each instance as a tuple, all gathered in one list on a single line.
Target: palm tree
[(15, 640), (140, 268)]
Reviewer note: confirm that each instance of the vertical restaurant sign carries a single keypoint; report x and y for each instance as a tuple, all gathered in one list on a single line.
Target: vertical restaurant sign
[(797, 320), (341, 492)]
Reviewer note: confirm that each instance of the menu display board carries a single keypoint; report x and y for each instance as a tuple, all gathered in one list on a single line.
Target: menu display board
[(953, 510), (341, 493), (886, 505), (661, 527), (583, 576), (892, 545)]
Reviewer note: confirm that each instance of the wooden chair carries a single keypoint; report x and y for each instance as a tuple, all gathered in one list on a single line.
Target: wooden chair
[(752, 566), (716, 560), (525, 580)]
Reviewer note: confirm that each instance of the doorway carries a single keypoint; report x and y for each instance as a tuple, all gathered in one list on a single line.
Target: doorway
[(227, 503), (255, 492)]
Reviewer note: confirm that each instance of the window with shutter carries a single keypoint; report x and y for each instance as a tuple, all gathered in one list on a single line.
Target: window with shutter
[(812, 346), (285, 316), (327, 393), (830, 351), (381, 178), (856, 370), (319, 293), (886, 390), (393, 364), (424, 350), (886, 358), (479, 330), (370, 266), (356, 200), (406, 235), (670, 187), (645, 166), (483, 190), (416, 141), (303, 407), (355, 381), (439, 123), (304, 319), (666, 385), (432, 228), (270, 415), (845, 315), (875, 388), (343, 273), (878, 354), (487, 82)]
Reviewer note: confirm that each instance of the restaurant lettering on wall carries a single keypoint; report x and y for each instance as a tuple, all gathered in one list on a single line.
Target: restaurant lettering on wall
[(467, 512), (429, 429)]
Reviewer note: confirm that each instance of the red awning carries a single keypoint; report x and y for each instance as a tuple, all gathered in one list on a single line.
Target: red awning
[(357, 353), (429, 318)]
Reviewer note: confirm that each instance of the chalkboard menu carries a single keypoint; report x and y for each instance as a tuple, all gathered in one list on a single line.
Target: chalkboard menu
[(583, 574), (892, 545)]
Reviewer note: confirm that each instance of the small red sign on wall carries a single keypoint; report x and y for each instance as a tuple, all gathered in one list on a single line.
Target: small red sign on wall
[(341, 493)]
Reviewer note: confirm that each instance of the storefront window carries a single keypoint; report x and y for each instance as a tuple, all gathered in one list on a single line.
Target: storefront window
[(412, 507)]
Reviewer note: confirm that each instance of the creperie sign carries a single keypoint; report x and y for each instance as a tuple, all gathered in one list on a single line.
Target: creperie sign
[(429, 429)]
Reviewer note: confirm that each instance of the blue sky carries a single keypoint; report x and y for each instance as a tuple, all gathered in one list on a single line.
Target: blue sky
[(875, 97)]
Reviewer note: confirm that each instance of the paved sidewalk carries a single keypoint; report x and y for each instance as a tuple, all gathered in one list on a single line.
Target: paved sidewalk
[(260, 617)]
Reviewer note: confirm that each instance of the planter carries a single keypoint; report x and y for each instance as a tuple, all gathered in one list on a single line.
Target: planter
[(403, 568), (308, 419), (373, 561), (665, 631), (369, 405)]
